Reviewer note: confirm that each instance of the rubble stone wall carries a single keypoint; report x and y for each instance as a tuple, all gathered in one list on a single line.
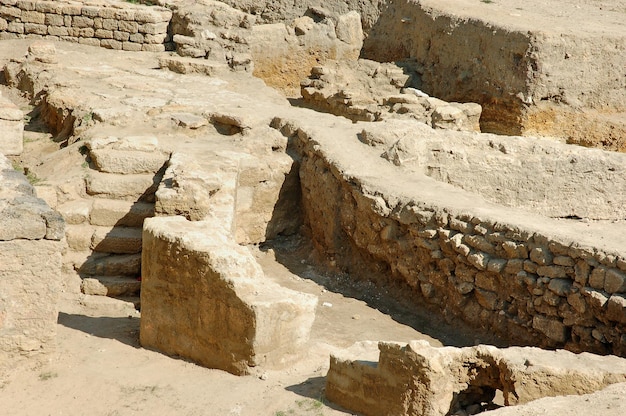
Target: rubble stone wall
[(121, 26), (31, 242), (515, 277)]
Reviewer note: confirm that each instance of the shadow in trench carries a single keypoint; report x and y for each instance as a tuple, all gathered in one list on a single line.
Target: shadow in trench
[(122, 329), (313, 388)]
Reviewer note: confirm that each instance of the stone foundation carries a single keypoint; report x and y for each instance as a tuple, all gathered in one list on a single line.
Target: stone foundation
[(205, 298), (417, 379), (31, 235), (117, 25), (530, 279)]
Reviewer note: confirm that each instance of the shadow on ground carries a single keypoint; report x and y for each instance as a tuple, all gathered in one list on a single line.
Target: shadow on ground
[(122, 329)]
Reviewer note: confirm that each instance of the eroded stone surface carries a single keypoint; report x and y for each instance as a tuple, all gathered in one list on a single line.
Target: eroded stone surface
[(30, 259), (417, 379), (366, 90), (204, 298)]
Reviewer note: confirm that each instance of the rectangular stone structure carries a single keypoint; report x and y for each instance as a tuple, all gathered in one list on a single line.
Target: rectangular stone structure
[(205, 298)]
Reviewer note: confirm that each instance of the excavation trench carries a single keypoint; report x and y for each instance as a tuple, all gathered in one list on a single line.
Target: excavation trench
[(492, 231)]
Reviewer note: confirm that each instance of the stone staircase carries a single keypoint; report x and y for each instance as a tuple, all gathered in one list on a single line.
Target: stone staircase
[(104, 227)]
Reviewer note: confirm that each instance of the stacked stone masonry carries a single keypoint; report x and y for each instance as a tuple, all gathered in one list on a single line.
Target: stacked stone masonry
[(120, 26), (525, 285), (31, 242)]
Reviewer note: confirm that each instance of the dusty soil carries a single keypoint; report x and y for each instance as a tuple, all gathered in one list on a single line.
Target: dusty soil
[(99, 368)]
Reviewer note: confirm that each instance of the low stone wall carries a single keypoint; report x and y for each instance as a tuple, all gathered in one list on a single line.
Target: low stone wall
[(30, 266), (416, 378), (205, 298), (530, 279), (116, 25)]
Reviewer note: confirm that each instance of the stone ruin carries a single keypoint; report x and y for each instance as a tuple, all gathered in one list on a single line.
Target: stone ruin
[(31, 242), (167, 189), (417, 379)]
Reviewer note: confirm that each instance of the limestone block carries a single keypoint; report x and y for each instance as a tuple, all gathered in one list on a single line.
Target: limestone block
[(417, 379), (33, 17), (29, 288), (152, 48), (113, 186), (79, 236), (349, 29), (75, 212), (124, 161), (15, 27), (121, 36), (22, 215), (129, 27), (109, 212), (103, 34), (130, 46), (120, 240), (11, 128), (33, 28), (82, 22), (89, 41), (205, 298), (30, 266), (188, 189), (267, 199), (111, 44)]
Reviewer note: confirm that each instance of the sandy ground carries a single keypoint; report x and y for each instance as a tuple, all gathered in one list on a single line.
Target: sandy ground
[(99, 368)]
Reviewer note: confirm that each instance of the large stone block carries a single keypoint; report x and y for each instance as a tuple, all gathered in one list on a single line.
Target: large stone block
[(417, 379), (30, 266), (205, 298)]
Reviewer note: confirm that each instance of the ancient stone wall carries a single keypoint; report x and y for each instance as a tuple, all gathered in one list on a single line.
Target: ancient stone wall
[(205, 298), (31, 235), (533, 71), (504, 271), (274, 11), (117, 25)]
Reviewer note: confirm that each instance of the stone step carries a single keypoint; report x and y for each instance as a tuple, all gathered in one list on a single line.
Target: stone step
[(128, 187), (128, 154), (128, 161), (76, 212), (108, 212), (118, 240), (112, 286), (102, 264), (185, 65)]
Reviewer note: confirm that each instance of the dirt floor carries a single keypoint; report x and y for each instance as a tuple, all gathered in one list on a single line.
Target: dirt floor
[(99, 367)]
